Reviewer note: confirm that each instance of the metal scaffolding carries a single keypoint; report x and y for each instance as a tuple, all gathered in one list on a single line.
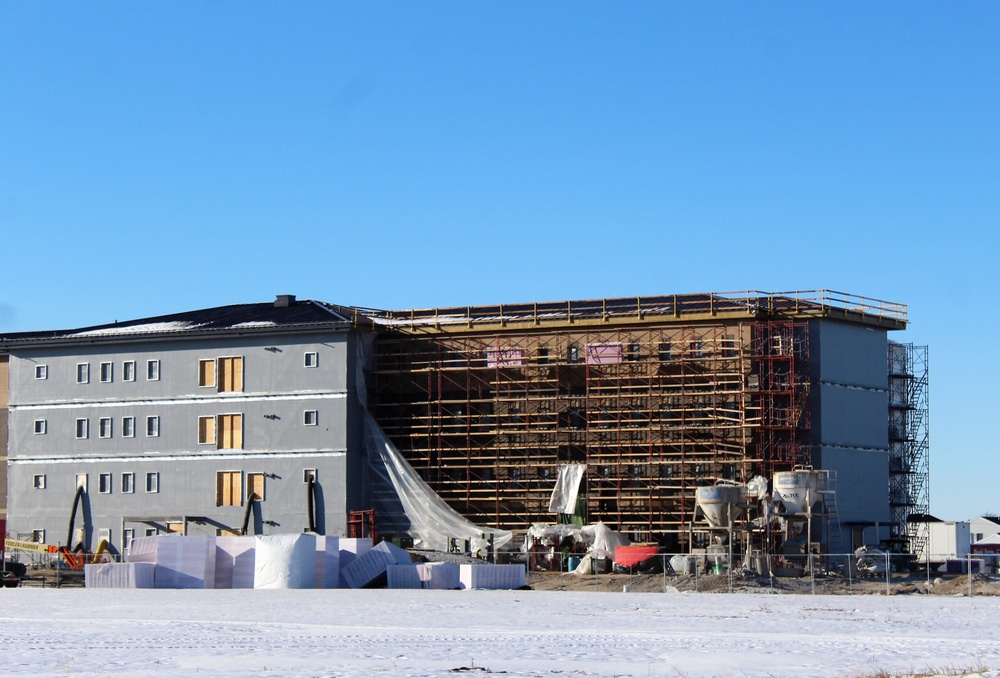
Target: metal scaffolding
[(653, 407), (909, 446)]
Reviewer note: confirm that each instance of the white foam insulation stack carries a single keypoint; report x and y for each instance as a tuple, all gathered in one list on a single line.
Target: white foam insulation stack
[(119, 576), (487, 576), (181, 562), (234, 562), (288, 561), (423, 576), (369, 570)]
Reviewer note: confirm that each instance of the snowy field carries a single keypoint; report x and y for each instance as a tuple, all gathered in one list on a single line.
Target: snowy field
[(84, 632)]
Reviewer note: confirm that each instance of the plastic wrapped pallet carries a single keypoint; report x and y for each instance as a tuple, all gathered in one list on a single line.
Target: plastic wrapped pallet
[(488, 576), (423, 576), (327, 562), (369, 570), (234, 562), (350, 550), (119, 575), (181, 562), (285, 561)]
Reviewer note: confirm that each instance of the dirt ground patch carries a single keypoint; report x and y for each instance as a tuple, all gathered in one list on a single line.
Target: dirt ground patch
[(900, 584)]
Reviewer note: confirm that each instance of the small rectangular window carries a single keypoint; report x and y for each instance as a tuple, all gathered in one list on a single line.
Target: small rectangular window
[(206, 430), (728, 347), (312, 359), (128, 534), (310, 418), (309, 474), (38, 481), (696, 349), (128, 427), (152, 531), (83, 373), (206, 373), (38, 536), (665, 353), (128, 370), (81, 481), (41, 427), (105, 427), (128, 483), (82, 428), (41, 371), (107, 372), (104, 483), (152, 482), (104, 534), (152, 426), (152, 370)]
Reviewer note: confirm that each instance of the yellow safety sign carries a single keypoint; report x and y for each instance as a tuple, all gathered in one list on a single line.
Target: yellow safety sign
[(34, 546)]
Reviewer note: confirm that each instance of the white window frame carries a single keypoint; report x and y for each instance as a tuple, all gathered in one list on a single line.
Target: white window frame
[(83, 373), (153, 482), (41, 427), (38, 481), (128, 370), (153, 370), (107, 372), (128, 534), (82, 480), (310, 418), (128, 482), (41, 371), (38, 536), (153, 426), (152, 531), (128, 427), (310, 359), (82, 429), (104, 482), (105, 534), (105, 427)]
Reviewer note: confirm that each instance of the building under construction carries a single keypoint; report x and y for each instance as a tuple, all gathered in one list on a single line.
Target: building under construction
[(255, 417), (656, 396)]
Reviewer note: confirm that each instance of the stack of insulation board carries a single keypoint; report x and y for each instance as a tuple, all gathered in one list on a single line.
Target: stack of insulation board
[(369, 570), (488, 576), (350, 550), (180, 562), (119, 575), (327, 562), (234, 562), (423, 576)]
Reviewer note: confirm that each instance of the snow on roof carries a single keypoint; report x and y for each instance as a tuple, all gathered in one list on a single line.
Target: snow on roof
[(145, 328)]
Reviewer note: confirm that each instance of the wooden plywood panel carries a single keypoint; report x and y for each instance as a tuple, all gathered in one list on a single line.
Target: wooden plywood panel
[(231, 374)]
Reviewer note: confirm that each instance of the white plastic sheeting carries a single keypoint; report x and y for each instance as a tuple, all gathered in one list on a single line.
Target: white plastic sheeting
[(285, 561), (119, 576), (432, 521), (600, 540), (182, 562), (567, 488), (327, 562), (488, 576), (442, 576), (234, 562)]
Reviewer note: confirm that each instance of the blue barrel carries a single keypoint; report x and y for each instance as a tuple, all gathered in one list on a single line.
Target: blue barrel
[(573, 562)]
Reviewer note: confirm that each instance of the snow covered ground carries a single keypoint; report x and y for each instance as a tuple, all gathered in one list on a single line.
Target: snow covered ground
[(520, 633)]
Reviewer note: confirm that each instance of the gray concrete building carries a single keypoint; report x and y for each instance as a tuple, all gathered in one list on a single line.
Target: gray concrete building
[(174, 423)]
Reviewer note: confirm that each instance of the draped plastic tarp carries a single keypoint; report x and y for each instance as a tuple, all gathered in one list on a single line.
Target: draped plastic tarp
[(182, 562), (234, 562), (567, 488), (432, 521)]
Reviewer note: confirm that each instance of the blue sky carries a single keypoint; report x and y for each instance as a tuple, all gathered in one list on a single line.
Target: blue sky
[(159, 157)]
